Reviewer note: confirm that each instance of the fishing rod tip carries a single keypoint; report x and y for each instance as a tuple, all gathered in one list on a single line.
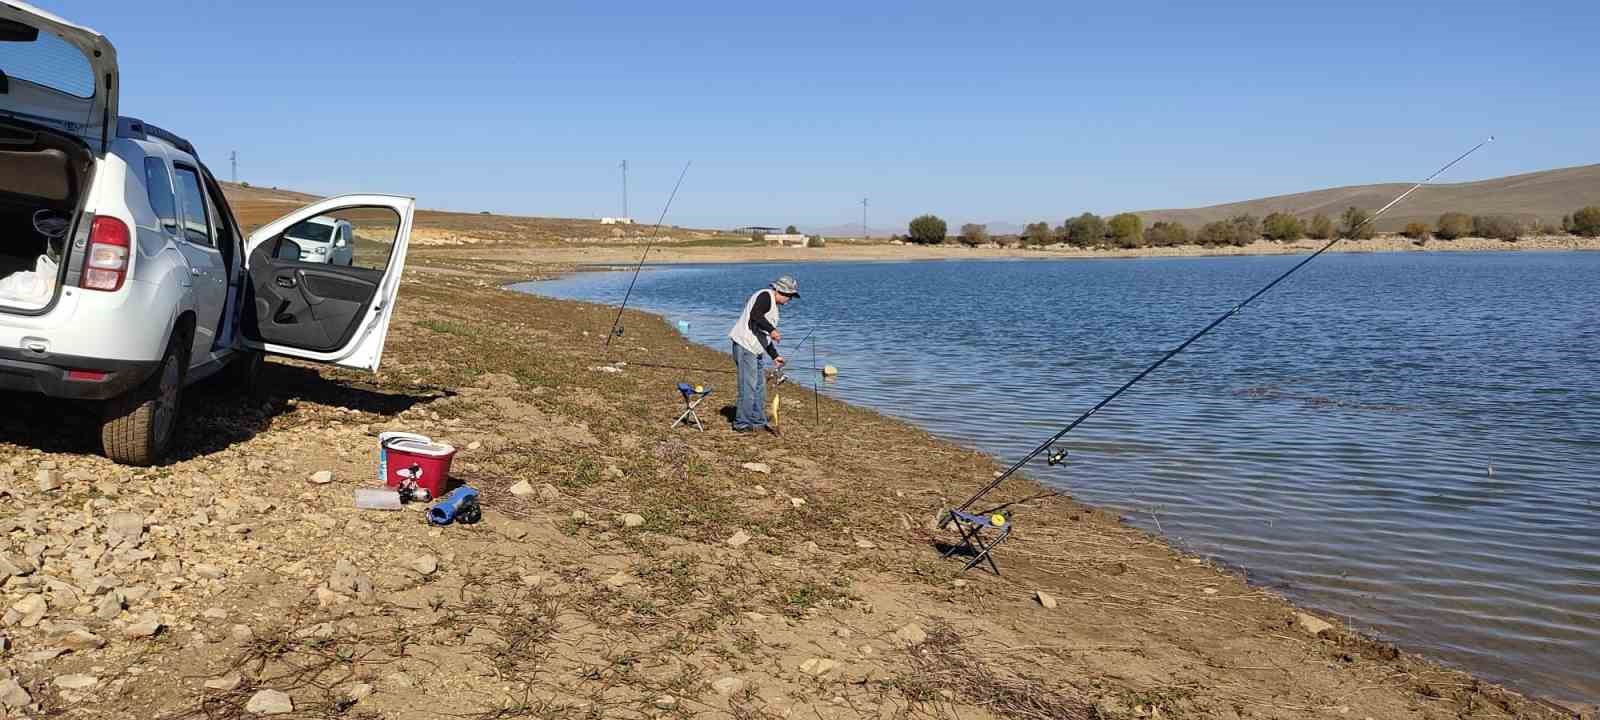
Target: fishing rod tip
[(1491, 139)]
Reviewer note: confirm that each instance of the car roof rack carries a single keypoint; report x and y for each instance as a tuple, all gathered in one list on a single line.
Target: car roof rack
[(136, 129)]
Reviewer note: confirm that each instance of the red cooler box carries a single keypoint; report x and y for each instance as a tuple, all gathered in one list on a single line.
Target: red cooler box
[(432, 458)]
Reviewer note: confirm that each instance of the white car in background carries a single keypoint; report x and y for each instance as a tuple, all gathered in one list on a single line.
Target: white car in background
[(322, 240), (124, 276)]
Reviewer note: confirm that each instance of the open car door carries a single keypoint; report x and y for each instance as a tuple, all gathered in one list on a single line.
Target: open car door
[(304, 307)]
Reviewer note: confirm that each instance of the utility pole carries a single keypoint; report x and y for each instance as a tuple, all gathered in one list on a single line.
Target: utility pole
[(863, 219), (233, 157), (625, 188)]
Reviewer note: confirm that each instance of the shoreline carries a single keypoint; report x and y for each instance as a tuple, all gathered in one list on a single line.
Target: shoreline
[(624, 568)]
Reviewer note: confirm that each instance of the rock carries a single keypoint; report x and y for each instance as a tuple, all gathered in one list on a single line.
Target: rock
[(474, 445), (523, 488), (226, 683), (958, 583), (215, 614), (147, 627), (729, 685), (12, 695), (632, 520), (797, 502), (532, 581), (83, 640), (359, 692), (321, 477), (241, 633), (580, 517), (818, 666), (15, 567), (346, 578), (1312, 625), (125, 527), (270, 702), (327, 598), (666, 702), (829, 371), (911, 634), (739, 539), (109, 606), (76, 681), (757, 467), (1045, 600), (209, 572), (27, 612), (46, 480), (620, 580), (399, 680), (425, 565), (549, 493), (866, 544)]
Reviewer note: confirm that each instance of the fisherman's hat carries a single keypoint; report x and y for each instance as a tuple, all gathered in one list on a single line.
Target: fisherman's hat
[(787, 286)]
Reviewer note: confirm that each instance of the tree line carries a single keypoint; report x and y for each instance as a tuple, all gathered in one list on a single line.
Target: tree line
[(1127, 230)]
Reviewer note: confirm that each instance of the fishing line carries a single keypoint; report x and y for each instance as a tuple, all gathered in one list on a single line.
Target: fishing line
[(1058, 456), (616, 325)]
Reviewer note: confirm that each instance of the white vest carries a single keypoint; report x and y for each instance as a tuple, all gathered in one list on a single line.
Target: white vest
[(741, 328)]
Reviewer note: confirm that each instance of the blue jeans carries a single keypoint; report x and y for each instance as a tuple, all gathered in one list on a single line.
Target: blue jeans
[(750, 412)]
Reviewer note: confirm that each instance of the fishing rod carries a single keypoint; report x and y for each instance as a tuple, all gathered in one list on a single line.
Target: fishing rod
[(1058, 456), (616, 325)]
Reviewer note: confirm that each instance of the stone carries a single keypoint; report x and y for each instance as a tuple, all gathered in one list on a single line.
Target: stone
[(797, 502), (125, 527), (1045, 600), (549, 493), (1312, 625), (632, 520), (729, 685), (209, 572), (739, 539), (270, 702), (346, 578), (958, 583), (327, 598), (83, 640), (523, 488), (109, 606), (580, 517), (911, 634), (226, 683), (359, 692), (866, 544), (15, 567), (400, 680), (215, 614), (532, 581), (147, 627), (425, 565), (76, 681), (45, 479), (321, 477), (666, 702), (818, 666), (620, 579), (12, 695), (27, 612), (757, 467), (474, 445)]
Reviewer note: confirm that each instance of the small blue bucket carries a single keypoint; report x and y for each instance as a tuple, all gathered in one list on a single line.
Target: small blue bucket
[(683, 326)]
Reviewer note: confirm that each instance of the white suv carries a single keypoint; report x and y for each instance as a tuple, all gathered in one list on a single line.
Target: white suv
[(124, 276), (322, 240)]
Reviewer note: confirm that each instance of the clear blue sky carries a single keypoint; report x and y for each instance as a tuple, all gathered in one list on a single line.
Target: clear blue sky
[(791, 112)]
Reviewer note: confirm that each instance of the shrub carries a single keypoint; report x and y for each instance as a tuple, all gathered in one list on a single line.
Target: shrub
[(759, 238), (1166, 234), (1037, 234), (1282, 227), (790, 231), (1085, 230), (1499, 227), (1320, 227), (1243, 230), (1586, 222), (1216, 233), (1453, 225), (974, 234), (1354, 225), (1550, 229), (1416, 231), (927, 230), (818, 241), (1126, 230)]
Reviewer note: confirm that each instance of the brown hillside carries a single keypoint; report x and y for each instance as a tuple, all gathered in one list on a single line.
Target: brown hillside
[(1546, 195)]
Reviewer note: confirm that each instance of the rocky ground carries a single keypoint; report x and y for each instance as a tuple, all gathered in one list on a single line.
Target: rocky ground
[(622, 569)]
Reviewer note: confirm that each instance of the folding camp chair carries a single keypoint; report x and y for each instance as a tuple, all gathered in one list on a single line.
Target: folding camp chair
[(691, 400), (972, 528)]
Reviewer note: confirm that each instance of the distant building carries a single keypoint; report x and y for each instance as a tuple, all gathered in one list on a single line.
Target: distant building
[(616, 221), (785, 240), (754, 230)]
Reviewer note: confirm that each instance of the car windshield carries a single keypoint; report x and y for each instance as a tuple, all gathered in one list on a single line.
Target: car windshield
[(315, 232), (46, 60)]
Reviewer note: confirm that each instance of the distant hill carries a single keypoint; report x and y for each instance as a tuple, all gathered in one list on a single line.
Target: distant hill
[(1546, 195)]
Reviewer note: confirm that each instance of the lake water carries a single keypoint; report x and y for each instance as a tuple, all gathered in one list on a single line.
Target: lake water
[(1407, 441)]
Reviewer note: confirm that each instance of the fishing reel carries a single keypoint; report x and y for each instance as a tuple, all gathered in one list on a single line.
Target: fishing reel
[(617, 332), (1056, 456)]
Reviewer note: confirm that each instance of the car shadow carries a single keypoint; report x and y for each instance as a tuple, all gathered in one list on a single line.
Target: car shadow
[(216, 416)]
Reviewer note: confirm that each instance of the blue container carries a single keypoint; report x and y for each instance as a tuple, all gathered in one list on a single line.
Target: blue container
[(461, 505), (683, 326)]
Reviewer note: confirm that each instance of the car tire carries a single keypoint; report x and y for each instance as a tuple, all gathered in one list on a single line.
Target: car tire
[(137, 428), (243, 373)]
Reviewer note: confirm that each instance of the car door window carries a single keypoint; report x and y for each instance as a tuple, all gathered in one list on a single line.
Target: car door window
[(159, 185), (196, 222), (361, 238)]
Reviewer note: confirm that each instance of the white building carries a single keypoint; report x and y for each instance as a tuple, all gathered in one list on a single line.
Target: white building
[(616, 221)]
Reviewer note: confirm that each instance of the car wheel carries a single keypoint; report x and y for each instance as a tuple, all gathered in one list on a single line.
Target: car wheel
[(137, 428)]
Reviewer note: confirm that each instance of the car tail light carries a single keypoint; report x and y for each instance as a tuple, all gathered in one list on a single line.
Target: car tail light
[(87, 375), (105, 265)]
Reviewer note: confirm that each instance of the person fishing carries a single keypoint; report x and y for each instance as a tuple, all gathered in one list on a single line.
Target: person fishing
[(754, 334)]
